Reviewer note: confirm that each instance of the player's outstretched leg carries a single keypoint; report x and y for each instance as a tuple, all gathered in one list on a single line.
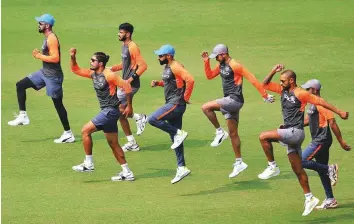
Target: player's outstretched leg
[(126, 174), (131, 145), (87, 165), (296, 164), (239, 165)]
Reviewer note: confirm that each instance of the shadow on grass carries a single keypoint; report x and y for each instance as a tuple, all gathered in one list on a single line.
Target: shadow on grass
[(332, 219), (157, 173), (347, 204), (77, 138), (96, 181), (188, 143), (40, 140), (235, 186)]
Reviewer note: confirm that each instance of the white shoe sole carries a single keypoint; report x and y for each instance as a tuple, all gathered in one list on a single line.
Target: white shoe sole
[(131, 150), (83, 171), (267, 177), (126, 179), (312, 207), (20, 124), (225, 136), (184, 175), (69, 140), (329, 207), (234, 175), (173, 146)]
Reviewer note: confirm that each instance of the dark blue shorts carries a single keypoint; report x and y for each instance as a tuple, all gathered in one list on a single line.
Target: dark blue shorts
[(107, 120), (54, 85)]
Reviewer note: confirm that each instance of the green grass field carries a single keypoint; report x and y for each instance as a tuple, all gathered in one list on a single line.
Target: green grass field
[(313, 37)]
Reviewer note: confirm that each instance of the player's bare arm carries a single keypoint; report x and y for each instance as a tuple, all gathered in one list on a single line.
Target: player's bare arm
[(275, 69), (335, 128)]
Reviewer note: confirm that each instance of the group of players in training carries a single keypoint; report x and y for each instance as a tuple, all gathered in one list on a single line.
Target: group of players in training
[(115, 94)]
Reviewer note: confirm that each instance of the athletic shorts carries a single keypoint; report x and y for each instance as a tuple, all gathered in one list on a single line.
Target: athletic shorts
[(107, 120), (230, 108), (123, 97), (292, 138), (54, 85)]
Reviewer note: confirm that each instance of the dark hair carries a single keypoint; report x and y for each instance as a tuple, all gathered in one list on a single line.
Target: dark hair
[(127, 27), (102, 57), (290, 74)]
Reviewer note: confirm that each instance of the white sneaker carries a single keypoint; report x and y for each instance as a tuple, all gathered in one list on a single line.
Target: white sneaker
[(310, 205), (269, 172), (327, 204), (131, 146), (182, 172), (238, 168), (333, 174), (20, 119), (141, 123), (84, 167), (66, 137), (122, 176), (179, 138), (220, 136)]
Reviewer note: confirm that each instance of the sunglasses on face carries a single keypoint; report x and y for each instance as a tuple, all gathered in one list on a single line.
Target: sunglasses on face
[(160, 56)]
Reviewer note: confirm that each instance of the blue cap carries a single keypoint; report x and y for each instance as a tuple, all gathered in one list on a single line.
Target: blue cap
[(47, 18), (165, 49)]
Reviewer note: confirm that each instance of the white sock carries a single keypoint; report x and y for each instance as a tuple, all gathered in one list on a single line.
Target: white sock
[(308, 196), (179, 132), (23, 112), (219, 129), (136, 116), (272, 164), (125, 168), (238, 160), (89, 159), (131, 138)]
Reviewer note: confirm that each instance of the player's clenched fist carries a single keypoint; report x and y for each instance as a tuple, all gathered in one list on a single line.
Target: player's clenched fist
[(72, 52), (154, 83)]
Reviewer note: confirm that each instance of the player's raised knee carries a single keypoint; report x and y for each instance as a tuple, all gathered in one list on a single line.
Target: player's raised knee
[(205, 107), (263, 136), (84, 131)]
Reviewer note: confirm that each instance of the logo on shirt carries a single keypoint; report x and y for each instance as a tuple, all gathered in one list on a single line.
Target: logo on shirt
[(99, 82), (309, 111), (165, 76), (291, 99), (225, 71)]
